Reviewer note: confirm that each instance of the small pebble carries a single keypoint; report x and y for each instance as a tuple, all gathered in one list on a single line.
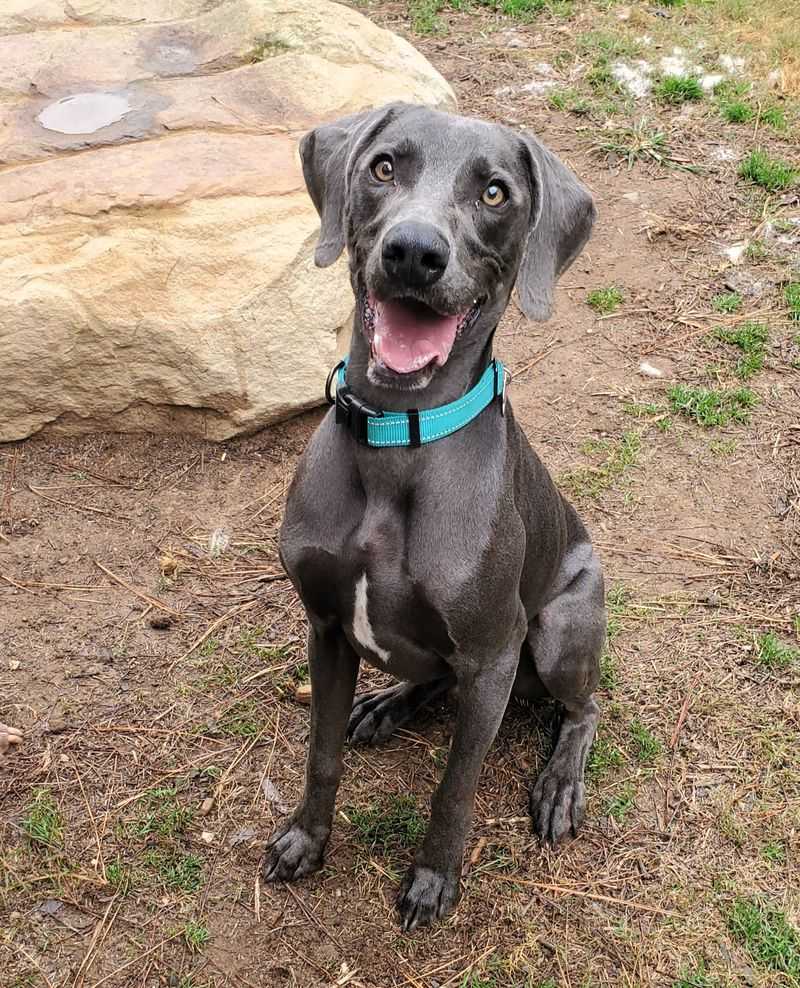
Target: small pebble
[(303, 693), (168, 565)]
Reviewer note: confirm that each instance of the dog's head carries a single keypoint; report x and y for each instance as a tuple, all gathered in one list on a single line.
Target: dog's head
[(441, 215)]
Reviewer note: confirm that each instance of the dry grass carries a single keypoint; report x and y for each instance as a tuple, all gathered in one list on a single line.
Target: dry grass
[(770, 30)]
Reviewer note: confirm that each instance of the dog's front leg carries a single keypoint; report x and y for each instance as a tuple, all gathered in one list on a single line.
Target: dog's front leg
[(431, 887), (296, 848)]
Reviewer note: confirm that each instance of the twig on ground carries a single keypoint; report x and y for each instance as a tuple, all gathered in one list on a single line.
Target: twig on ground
[(152, 601), (580, 893)]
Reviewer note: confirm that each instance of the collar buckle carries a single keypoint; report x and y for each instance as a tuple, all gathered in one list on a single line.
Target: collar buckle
[(355, 414)]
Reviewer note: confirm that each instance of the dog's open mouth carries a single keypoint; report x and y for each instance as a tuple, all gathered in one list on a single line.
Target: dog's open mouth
[(406, 335)]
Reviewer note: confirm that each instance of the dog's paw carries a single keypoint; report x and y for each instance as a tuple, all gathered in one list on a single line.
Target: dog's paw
[(293, 852), (376, 716), (426, 896), (558, 805)]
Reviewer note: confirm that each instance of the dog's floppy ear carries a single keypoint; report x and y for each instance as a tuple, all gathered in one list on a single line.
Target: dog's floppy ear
[(328, 154), (562, 214)]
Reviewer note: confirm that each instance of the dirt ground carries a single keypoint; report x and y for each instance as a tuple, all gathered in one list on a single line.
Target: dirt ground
[(151, 649)]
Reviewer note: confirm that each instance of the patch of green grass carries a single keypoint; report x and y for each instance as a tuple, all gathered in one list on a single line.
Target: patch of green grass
[(43, 823), (748, 365), (723, 447), (736, 111), (242, 720), (756, 251), (568, 100), (424, 16), (772, 653), (162, 816), (600, 78), (608, 671), (522, 9), (771, 174), (730, 89), (727, 302), (618, 598), (119, 877), (646, 746), (560, 99), (672, 3), (604, 757), (751, 338), (763, 930), (592, 481), (640, 142), (678, 89), (775, 117), (695, 977), (605, 300), (473, 979), (195, 935), (251, 642), (301, 673), (709, 407), (792, 295), (180, 872), (209, 647), (774, 852), (388, 825), (619, 806)]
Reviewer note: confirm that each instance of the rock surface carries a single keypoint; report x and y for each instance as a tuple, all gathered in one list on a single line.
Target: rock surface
[(156, 238)]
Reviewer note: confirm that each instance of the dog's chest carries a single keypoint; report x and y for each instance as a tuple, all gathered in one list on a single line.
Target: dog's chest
[(395, 619), (369, 584)]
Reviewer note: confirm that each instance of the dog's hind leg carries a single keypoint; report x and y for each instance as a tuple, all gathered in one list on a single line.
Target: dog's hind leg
[(566, 639), (377, 715)]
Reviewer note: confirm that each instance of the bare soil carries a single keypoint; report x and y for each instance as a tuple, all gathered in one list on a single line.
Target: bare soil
[(151, 649)]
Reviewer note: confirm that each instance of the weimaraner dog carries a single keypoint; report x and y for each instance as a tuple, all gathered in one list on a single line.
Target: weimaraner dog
[(422, 532)]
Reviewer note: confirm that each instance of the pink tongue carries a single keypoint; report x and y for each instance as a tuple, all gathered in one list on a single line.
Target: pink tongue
[(408, 338)]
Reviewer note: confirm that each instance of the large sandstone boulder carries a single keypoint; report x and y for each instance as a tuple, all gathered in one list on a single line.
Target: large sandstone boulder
[(156, 238)]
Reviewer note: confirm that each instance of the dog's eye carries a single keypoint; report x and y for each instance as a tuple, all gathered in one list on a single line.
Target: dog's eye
[(383, 170), (494, 195)]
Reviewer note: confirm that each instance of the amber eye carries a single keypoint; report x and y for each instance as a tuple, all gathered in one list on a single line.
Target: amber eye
[(383, 170), (494, 195)]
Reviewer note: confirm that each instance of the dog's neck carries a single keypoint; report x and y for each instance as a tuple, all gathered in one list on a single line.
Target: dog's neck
[(467, 362)]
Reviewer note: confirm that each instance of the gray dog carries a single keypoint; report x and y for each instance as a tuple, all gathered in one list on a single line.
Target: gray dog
[(421, 531)]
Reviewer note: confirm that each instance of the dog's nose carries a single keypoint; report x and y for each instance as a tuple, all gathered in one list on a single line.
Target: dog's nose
[(415, 254)]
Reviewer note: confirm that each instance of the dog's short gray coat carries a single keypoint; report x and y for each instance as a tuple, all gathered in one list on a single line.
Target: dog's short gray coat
[(458, 563)]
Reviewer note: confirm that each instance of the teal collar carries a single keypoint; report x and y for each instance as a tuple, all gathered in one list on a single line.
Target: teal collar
[(375, 427)]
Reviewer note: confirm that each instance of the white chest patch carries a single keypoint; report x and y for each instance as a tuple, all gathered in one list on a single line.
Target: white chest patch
[(362, 629)]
